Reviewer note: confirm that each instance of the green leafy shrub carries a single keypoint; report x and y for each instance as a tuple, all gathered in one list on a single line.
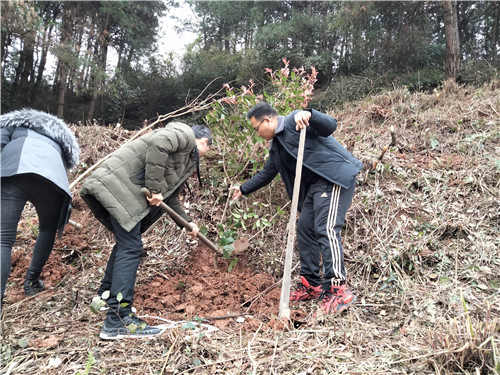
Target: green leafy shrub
[(289, 89), (240, 146)]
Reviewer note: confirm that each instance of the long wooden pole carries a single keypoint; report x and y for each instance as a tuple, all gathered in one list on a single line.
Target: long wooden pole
[(287, 273)]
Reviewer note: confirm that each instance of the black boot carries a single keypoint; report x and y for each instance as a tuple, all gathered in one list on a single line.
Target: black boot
[(33, 284)]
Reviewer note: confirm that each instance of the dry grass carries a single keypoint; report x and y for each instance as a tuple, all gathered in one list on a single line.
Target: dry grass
[(422, 251)]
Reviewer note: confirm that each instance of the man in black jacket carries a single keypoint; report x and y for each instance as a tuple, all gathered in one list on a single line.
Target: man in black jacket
[(326, 190)]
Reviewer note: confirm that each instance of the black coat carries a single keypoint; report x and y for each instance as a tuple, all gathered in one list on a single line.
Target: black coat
[(324, 156)]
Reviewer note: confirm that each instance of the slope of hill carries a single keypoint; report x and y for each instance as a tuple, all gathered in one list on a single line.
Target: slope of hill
[(422, 243)]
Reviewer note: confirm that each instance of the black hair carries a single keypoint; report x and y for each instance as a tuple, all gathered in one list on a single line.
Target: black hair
[(261, 110), (201, 131)]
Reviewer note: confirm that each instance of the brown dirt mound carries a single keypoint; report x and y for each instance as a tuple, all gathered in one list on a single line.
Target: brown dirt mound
[(210, 292)]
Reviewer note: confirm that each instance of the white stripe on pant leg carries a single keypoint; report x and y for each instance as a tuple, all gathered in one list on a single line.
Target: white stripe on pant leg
[(330, 230), (332, 237)]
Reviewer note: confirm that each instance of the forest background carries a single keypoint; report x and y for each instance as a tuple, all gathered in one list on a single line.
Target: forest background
[(99, 61)]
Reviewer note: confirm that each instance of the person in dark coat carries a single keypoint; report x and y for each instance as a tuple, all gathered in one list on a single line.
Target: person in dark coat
[(326, 191), (160, 161), (37, 151)]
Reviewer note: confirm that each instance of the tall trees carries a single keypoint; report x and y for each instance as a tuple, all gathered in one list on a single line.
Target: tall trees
[(77, 38), (336, 37), (224, 25), (99, 48), (102, 21), (50, 12), (22, 22)]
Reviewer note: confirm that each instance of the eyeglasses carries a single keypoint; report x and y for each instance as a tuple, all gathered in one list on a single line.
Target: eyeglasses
[(260, 123)]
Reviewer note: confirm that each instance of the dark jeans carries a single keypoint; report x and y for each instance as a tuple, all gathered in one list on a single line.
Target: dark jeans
[(121, 270), (48, 202), (318, 232)]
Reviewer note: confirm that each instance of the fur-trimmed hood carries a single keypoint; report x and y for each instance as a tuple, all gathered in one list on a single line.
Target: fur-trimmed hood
[(49, 126)]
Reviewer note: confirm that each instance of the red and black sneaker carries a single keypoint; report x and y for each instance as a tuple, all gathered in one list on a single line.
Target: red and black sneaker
[(337, 299), (305, 291)]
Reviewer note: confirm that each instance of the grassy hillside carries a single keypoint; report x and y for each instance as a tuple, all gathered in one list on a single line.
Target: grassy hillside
[(421, 242)]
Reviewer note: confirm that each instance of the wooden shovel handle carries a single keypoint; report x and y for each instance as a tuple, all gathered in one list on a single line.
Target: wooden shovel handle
[(183, 222), (284, 311)]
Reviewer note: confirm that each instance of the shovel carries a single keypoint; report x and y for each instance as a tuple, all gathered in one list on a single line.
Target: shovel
[(181, 221), (287, 273)]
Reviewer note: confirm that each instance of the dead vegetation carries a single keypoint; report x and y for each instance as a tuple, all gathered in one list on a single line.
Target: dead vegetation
[(422, 246)]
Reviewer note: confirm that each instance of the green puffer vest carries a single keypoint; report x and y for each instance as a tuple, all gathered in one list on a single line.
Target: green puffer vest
[(161, 161)]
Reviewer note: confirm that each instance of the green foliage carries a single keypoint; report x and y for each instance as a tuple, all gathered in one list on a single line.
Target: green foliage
[(138, 92), (226, 240), (192, 325), (23, 343), (232, 264), (202, 67), (91, 361), (240, 217), (479, 72), (119, 298), (6, 353), (188, 325), (288, 90), (136, 328), (98, 302), (248, 216), (391, 283), (350, 88)]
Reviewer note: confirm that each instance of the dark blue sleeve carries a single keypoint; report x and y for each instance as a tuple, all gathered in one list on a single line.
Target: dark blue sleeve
[(324, 124), (261, 179)]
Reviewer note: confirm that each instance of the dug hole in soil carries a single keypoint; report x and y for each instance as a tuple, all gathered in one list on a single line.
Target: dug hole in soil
[(203, 289)]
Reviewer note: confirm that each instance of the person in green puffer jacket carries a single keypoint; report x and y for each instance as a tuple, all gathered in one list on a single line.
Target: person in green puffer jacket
[(160, 161)]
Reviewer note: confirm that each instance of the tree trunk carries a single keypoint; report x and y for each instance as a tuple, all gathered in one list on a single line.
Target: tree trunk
[(24, 72), (55, 82), (93, 82), (452, 60), (47, 40), (66, 41), (120, 49), (75, 76), (15, 81), (85, 73), (98, 77), (494, 36), (104, 59)]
